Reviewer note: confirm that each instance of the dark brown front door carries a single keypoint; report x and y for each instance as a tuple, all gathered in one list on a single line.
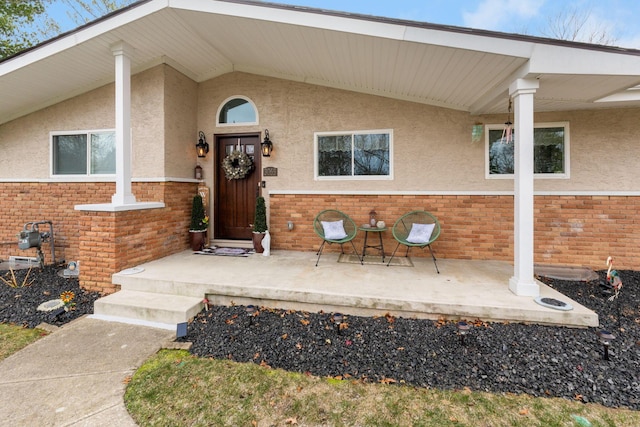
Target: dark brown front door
[(235, 199)]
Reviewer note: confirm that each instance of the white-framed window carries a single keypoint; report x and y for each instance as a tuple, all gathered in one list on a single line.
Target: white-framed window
[(366, 154), (550, 151), (237, 111), (83, 153)]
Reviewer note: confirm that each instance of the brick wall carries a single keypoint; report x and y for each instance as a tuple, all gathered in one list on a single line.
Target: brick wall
[(26, 202), (569, 230), (104, 242)]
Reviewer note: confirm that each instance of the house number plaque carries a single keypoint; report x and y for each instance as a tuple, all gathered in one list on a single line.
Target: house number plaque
[(270, 171)]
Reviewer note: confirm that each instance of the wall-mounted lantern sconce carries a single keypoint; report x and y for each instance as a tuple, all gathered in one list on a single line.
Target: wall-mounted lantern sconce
[(290, 225), (202, 147), (266, 146)]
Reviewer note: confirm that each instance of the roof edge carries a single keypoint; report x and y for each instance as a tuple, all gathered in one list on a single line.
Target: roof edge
[(362, 17)]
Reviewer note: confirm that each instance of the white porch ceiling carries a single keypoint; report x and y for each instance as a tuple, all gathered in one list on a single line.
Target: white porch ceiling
[(461, 69)]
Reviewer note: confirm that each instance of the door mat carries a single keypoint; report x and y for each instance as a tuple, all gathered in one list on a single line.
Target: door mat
[(241, 252), (375, 260)]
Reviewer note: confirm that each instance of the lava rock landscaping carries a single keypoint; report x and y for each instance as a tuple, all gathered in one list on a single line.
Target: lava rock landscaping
[(494, 357), (19, 305)]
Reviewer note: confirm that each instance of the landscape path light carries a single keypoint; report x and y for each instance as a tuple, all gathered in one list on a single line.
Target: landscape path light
[(251, 312), (337, 319), (605, 338), (463, 329)]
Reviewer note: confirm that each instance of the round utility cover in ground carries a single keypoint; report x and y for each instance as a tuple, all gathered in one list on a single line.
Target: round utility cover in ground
[(51, 305), (553, 303), (132, 270)]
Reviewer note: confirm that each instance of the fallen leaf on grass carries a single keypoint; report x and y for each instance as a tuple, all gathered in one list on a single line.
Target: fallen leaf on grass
[(387, 381), (524, 411), (291, 421), (265, 365)]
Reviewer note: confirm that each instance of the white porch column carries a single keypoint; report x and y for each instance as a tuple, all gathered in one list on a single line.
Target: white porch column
[(523, 283), (123, 195)]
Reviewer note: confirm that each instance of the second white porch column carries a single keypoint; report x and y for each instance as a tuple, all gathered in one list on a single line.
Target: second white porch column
[(523, 283), (123, 195)]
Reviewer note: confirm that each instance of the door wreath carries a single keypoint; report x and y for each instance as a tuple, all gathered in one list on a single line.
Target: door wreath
[(237, 165)]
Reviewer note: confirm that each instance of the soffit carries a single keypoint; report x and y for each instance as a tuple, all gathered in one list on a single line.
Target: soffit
[(424, 65)]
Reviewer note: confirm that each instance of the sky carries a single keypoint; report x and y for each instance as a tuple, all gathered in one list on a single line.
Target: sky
[(618, 18)]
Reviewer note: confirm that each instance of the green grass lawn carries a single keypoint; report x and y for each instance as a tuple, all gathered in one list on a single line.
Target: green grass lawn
[(174, 388), (14, 338)]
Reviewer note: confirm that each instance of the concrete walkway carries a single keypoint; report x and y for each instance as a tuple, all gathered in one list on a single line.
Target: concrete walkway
[(76, 376)]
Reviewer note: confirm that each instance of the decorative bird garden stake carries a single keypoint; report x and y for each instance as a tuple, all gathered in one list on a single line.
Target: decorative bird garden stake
[(613, 279)]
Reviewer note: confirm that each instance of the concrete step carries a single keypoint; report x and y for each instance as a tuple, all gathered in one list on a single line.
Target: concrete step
[(159, 285), (154, 309)]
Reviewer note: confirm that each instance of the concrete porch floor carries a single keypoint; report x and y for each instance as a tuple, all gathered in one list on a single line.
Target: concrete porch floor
[(290, 280)]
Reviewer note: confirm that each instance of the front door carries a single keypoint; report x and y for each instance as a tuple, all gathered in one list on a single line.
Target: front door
[(235, 199)]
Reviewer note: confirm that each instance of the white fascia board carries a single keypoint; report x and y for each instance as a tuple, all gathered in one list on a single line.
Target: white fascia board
[(473, 42), (567, 60), (499, 90), (632, 94), (78, 37), (297, 17)]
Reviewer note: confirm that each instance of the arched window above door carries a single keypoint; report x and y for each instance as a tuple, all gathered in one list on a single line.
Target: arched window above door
[(237, 110)]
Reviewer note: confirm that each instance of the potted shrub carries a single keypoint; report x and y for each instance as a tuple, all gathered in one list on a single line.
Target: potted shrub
[(259, 225), (199, 224)]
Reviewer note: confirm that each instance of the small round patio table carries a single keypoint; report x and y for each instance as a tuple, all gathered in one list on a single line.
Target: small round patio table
[(378, 246)]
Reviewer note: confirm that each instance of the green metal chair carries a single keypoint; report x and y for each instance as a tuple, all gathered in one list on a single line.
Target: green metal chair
[(411, 236), (334, 226)]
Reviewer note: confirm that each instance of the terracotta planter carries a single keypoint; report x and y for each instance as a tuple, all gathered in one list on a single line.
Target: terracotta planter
[(257, 242), (197, 239)]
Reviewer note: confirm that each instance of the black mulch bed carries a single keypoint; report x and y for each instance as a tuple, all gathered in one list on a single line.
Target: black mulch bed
[(531, 359), (19, 305)]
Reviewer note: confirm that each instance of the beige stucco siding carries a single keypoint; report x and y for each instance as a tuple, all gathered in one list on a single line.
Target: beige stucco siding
[(25, 142), (432, 148), (180, 104), (605, 150), (147, 123)]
